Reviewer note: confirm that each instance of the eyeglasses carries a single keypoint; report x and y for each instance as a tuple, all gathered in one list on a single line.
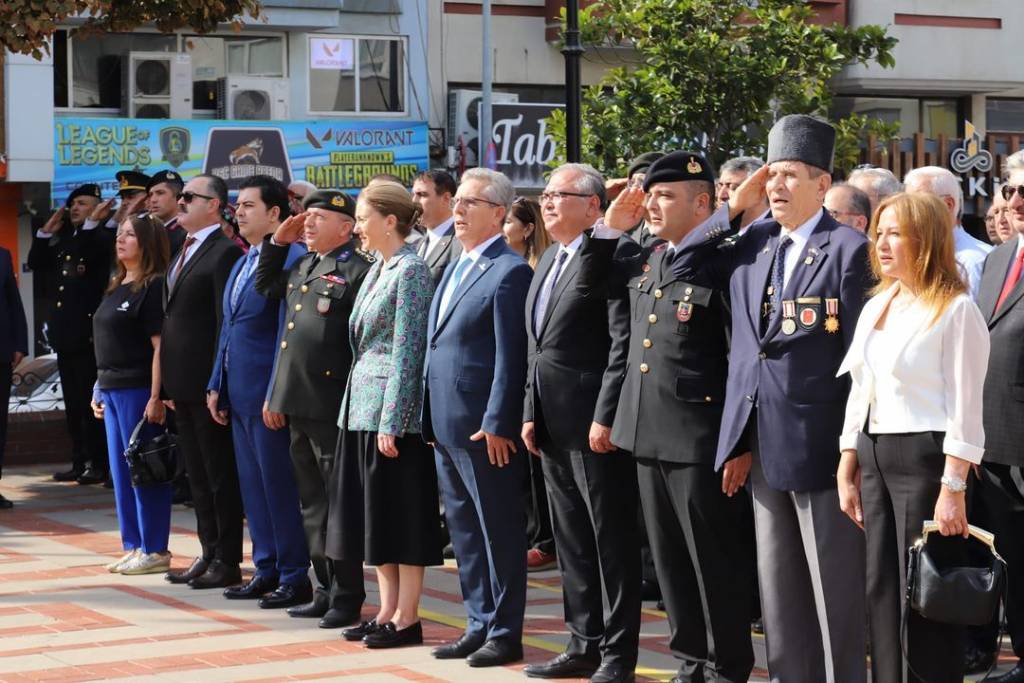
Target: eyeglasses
[(187, 197), (1009, 190), (558, 196), (471, 202)]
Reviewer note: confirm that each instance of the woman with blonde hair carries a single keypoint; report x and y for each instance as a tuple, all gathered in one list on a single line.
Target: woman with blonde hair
[(913, 426), (383, 490), (524, 230)]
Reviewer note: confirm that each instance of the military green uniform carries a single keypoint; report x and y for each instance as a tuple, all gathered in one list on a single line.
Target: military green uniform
[(312, 365)]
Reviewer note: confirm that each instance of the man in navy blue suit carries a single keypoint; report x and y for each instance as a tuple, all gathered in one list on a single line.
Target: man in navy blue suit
[(13, 346), (475, 381), (238, 387), (797, 283)]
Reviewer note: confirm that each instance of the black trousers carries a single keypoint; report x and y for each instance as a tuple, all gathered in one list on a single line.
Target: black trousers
[(88, 438), (313, 444), (702, 553), (900, 476), (1002, 488), (213, 477), (592, 497), (5, 398), (535, 499)]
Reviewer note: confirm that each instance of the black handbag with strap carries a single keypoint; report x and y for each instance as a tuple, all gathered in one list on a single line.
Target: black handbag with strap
[(965, 596), (154, 461)]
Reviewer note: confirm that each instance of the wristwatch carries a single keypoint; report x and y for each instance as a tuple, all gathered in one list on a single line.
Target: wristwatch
[(954, 484)]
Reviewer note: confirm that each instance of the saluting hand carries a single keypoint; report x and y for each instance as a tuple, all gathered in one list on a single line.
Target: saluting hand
[(734, 473), (290, 229), (614, 186), (848, 479), (529, 435), (53, 223), (750, 193), (499, 449), (627, 210), (101, 210)]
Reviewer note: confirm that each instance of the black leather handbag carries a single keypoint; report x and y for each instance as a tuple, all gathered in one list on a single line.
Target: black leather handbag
[(966, 596), (154, 461)]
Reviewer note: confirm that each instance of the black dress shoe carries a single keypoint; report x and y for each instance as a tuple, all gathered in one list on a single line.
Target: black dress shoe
[(337, 617), (757, 626), (389, 635), (287, 595), (564, 665), (613, 672), (461, 648), (496, 652), (448, 552), (68, 475), (649, 590), (357, 633), (1014, 675), (195, 570), (256, 587), (91, 476), (218, 575), (4, 503), (978, 661), (313, 609)]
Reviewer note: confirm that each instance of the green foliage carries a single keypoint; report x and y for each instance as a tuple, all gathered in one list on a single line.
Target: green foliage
[(26, 25), (711, 75), (852, 132)]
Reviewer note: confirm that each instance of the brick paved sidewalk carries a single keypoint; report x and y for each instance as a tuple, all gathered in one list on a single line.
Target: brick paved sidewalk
[(63, 618)]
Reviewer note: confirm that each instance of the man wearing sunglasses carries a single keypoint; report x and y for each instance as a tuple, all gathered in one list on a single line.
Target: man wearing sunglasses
[(193, 291)]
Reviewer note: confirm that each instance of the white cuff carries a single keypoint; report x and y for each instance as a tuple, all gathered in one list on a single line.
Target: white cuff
[(962, 450), (602, 231), (43, 235), (848, 442), (90, 224)]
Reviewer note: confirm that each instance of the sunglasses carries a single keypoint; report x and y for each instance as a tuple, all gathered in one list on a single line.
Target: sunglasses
[(187, 197), (1008, 191)]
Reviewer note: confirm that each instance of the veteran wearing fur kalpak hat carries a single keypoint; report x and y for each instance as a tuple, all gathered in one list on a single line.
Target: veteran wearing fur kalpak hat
[(313, 361), (669, 413), (797, 283)]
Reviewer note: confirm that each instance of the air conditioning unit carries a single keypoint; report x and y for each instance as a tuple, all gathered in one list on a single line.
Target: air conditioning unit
[(463, 110), (252, 98), (157, 85)]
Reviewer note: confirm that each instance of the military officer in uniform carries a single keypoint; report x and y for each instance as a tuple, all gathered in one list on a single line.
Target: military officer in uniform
[(82, 260), (669, 413), (131, 190), (162, 192), (312, 365)]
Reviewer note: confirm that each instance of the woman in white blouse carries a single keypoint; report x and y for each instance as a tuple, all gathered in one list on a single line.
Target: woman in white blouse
[(913, 425)]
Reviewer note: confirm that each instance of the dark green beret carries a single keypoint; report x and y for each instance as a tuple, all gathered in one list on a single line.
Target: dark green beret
[(332, 200), (678, 166), (87, 190), (642, 163)]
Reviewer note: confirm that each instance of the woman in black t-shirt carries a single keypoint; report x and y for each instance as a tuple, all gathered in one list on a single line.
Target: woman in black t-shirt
[(126, 333)]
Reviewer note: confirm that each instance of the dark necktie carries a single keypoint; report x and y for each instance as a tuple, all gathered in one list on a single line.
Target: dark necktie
[(773, 295), (189, 241), (666, 263), (424, 245), (544, 299)]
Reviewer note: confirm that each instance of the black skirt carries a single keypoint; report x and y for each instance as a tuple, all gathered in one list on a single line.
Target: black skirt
[(384, 510)]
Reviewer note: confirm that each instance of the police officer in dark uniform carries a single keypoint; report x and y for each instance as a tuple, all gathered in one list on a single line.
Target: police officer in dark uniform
[(669, 412), (81, 259), (162, 192), (311, 368)]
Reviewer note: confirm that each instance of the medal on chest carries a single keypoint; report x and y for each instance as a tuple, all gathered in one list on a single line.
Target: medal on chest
[(323, 305), (788, 317), (831, 315), (684, 311)]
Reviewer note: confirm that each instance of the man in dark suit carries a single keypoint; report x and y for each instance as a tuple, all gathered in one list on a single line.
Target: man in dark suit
[(571, 395), (238, 387), (475, 374), (313, 360), (432, 191), (193, 292), (797, 283), (1001, 491), (13, 346), (162, 201), (669, 414), (81, 257)]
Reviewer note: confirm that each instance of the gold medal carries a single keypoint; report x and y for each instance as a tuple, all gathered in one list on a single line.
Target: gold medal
[(831, 324), (832, 312)]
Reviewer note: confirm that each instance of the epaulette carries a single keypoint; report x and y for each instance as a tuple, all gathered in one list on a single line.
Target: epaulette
[(729, 242)]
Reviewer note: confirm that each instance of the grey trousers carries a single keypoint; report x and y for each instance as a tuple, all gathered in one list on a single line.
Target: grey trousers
[(810, 562)]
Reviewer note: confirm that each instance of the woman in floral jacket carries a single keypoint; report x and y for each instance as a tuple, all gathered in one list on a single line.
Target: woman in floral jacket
[(384, 492)]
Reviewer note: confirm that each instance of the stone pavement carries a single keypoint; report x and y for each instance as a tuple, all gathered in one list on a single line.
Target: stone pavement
[(64, 618)]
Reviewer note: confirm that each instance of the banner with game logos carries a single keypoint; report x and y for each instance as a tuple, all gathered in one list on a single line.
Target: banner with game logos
[(327, 153)]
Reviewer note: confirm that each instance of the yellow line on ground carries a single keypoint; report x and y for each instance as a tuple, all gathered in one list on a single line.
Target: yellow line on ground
[(557, 590)]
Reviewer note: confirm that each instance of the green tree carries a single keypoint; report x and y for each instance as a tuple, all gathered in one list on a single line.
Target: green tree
[(711, 75), (26, 25)]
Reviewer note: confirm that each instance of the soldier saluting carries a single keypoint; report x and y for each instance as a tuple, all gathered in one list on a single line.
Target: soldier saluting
[(312, 365)]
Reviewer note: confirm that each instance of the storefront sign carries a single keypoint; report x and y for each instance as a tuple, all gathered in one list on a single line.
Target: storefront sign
[(970, 156), (332, 54), (329, 154), (523, 146)]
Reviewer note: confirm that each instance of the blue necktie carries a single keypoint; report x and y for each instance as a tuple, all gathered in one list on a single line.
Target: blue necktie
[(243, 276), (778, 282), (541, 307), (453, 284)]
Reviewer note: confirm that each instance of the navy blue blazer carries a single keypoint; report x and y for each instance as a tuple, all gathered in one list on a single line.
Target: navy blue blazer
[(475, 373), (13, 328), (790, 378), (248, 342)]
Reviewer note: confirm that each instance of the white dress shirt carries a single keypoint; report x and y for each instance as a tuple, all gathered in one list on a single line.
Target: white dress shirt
[(436, 234), (200, 237), (918, 374), (552, 278), (799, 236), (970, 256), (473, 257)]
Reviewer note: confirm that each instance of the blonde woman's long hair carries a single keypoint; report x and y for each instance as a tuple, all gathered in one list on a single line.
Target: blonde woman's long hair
[(927, 228)]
